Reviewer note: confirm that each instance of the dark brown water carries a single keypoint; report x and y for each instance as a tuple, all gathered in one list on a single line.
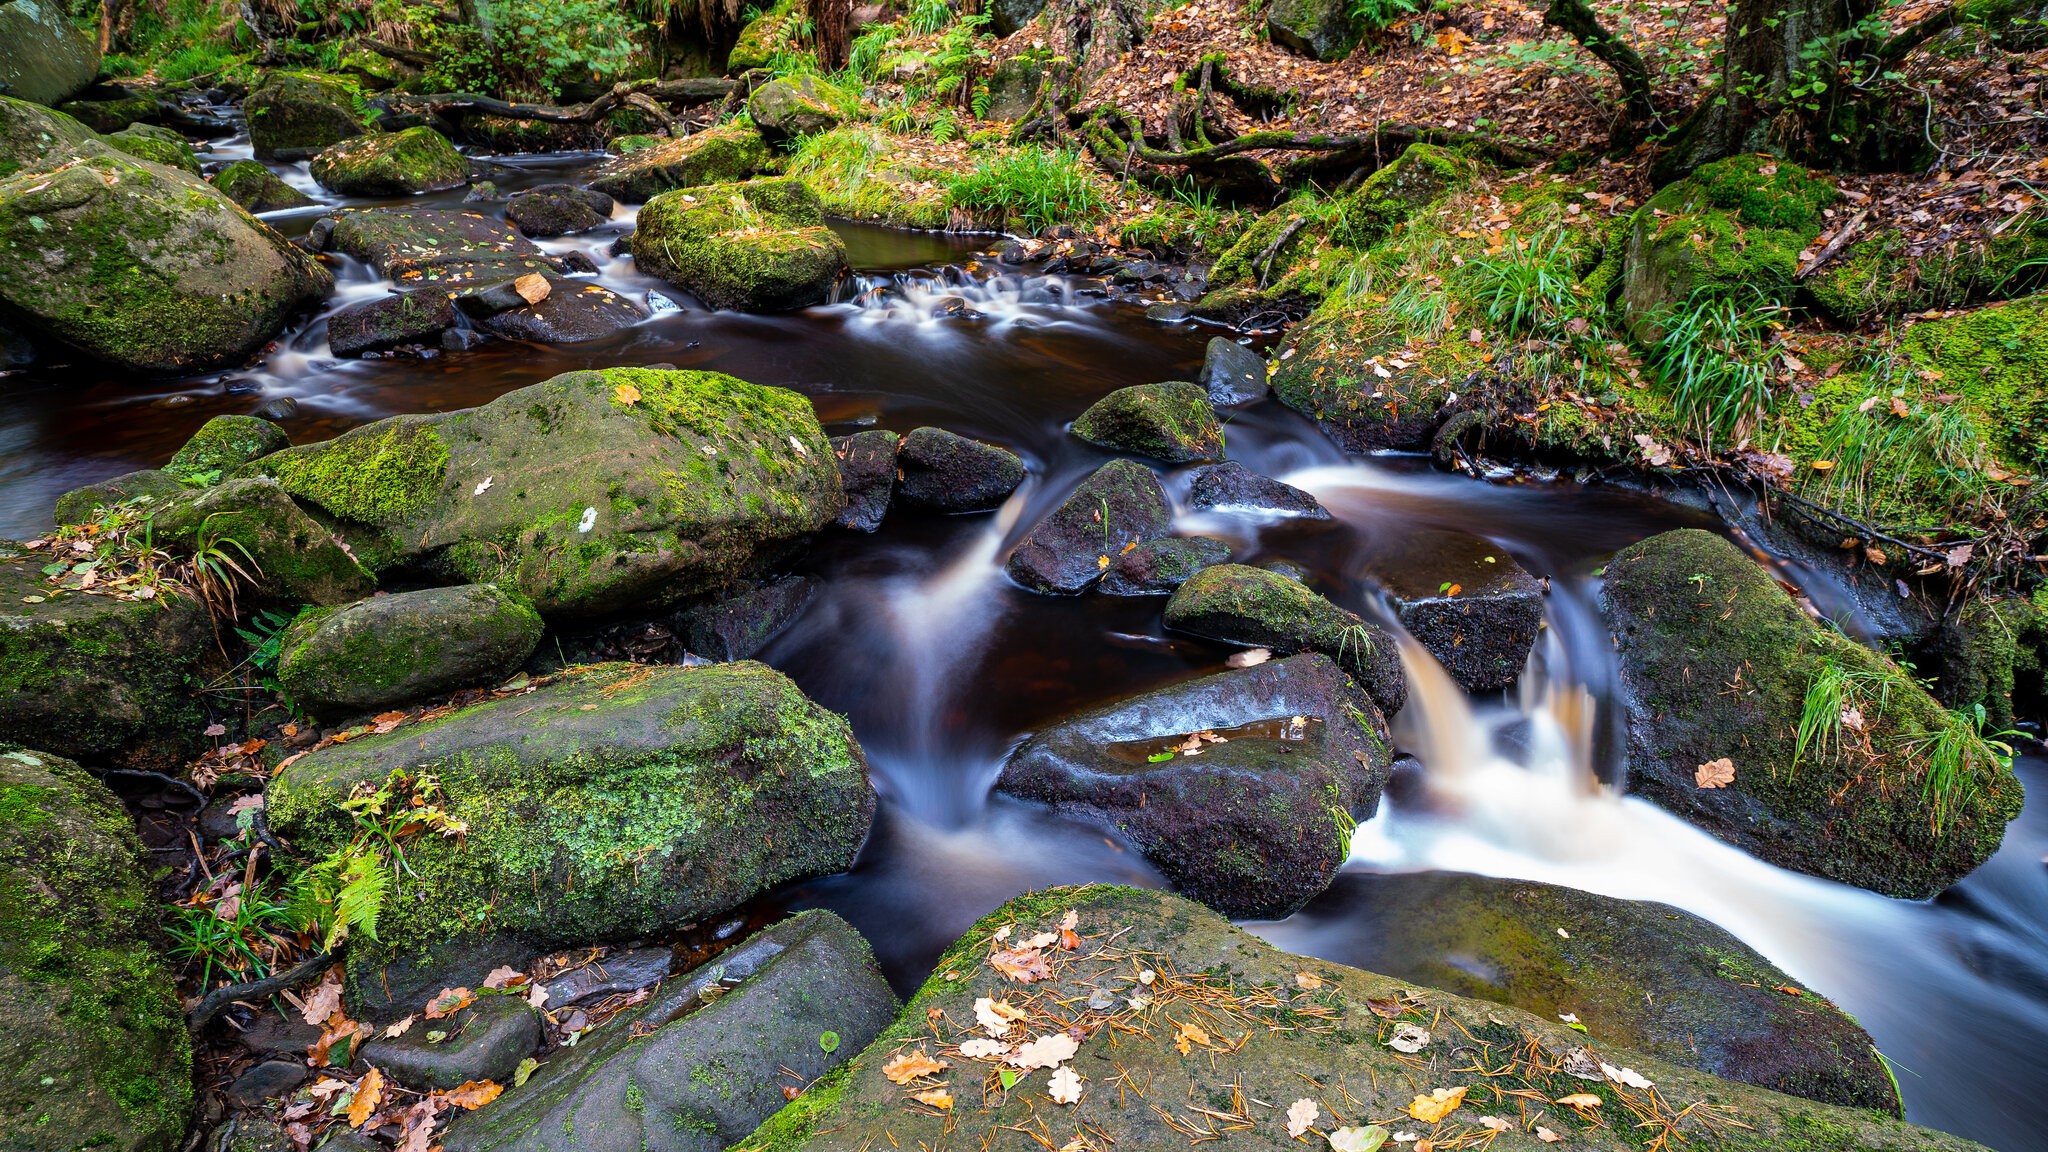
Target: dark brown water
[(942, 665)]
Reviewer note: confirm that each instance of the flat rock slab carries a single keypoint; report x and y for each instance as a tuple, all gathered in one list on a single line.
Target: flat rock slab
[(1157, 567), (946, 472), (485, 1041), (575, 311), (1466, 600), (418, 247)]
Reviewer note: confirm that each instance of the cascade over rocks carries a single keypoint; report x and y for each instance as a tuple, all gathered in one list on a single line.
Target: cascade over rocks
[(756, 246), (1465, 600), (1221, 1021), (945, 472), (146, 267), (1121, 504), (589, 493), (691, 1069), (390, 650), (391, 164), (1252, 606), (1171, 422), (1249, 825), (1717, 662), (721, 155), (95, 1050), (615, 802)]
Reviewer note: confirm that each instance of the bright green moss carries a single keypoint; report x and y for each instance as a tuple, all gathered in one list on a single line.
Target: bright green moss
[(223, 444), (380, 474)]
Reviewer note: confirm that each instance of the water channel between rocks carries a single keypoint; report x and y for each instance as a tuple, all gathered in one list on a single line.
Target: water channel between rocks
[(942, 664)]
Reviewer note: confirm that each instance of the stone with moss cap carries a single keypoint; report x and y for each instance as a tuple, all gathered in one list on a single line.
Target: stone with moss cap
[(157, 145), (719, 155), (1717, 662), (1634, 972), (146, 267), (83, 505), (95, 1049), (257, 188), (773, 31), (948, 472), (292, 115), (224, 444), (1259, 1040), (391, 164), (618, 802), (1171, 422), (249, 521), (1318, 29), (412, 646), (755, 246), (1253, 826), (797, 106), (1120, 505), (588, 493), (1245, 605), (680, 1072), (1157, 567), (33, 137)]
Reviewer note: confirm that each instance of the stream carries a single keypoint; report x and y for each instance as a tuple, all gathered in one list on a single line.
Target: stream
[(942, 664)]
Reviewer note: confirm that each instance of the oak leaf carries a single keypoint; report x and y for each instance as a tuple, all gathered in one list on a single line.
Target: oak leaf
[(1366, 1139), (1023, 965), (369, 1093), (1049, 1051), (1715, 773), (907, 1066), (325, 1000), (996, 1017), (448, 1001), (1301, 1116), (1064, 1086), (473, 1095), (936, 1098), (982, 1048), (1440, 1102)]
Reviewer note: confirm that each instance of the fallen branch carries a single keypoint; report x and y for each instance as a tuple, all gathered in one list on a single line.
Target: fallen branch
[(1833, 246), (1576, 18), (628, 94), (1384, 137), (202, 1012), (1272, 251)]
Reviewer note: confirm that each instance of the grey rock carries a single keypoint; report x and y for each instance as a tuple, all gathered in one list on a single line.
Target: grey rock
[(949, 473), (1121, 503), (558, 210), (269, 1079), (82, 505), (1232, 486), (867, 472), (1157, 567), (616, 973), (574, 312), (485, 1041), (1232, 373), (48, 60), (1246, 605), (398, 319), (736, 627)]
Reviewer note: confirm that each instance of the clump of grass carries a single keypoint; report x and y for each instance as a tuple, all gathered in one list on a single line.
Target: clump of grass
[(1899, 449), (1716, 362), (1031, 188), (1955, 753), (1530, 289)]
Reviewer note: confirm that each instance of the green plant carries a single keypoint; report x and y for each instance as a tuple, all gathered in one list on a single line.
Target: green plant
[(928, 16), (556, 42), (345, 892), (1715, 361), (1378, 15), (213, 571), (1347, 827), (1954, 754), (240, 936), (1031, 187), (1530, 289)]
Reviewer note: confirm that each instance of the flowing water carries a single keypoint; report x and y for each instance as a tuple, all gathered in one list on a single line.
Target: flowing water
[(942, 664)]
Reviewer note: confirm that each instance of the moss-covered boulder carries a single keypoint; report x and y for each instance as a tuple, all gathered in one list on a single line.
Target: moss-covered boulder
[(1171, 422), (485, 1041), (796, 106), (289, 556), (99, 679), (721, 155), (411, 646), (558, 210), (157, 145), (1240, 604), (391, 164), (773, 31), (48, 59), (1252, 824), (1890, 791), (1121, 504), (1647, 975), (34, 137), (1228, 1033), (95, 1049), (293, 115), (393, 321), (588, 493), (1317, 29), (112, 107), (618, 802), (680, 1073), (1157, 567), (1881, 276), (946, 472), (146, 267), (83, 505), (756, 246), (255, 187), (224, 444), (1733, 229)]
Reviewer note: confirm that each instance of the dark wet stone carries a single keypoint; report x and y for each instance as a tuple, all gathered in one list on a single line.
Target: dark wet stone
[(16, 350), (1244, 825), (618, 972), (1157, 567), (1170, 421), (949, 473), (250, 1134), (1467, 601), (419, 247), (272, 1034), (485, 1041), (1232, 373), (463, 339), (573, 312), (1252, 606), (736, 627), (81, 505), (558, 210), (397, 319), (1231, 486), (867, 473), (1122, 503), (277, 408), (267, 1080)]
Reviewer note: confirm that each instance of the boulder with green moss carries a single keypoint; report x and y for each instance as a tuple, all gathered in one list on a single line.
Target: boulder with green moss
[(95, 1049), (1171, 422), (1888, 790), (391, 164), (402, 648), (293, 115), (1318, 29), (437, 247), (257, 188), (146, 267), (756, 246), (1633, 972), (588, 493), (616, 802), (1254, 824), (1228, 1032), (287, 555), (157, 145), (104, 680), (682, 1072), (34, 137), (1120, 504), (774, 31), (48, 58), (797, 106), (716, 156), (1732, 230), (1239, 604), (1878, 277), (112, 107), (224, 444), (83, 505), (1157, 567)]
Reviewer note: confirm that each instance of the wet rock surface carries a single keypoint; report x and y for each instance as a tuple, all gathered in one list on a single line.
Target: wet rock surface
[(1232, 487), (1157, 567), (1121, 503), (738, 626), (867, 473), (399, 648), (1260, 608), (485, 1041), (944, 472), (396, 320), (558, 210), (1232, 374), (1171, 422)]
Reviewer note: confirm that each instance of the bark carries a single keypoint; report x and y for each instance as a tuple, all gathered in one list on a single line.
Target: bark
[(831, 21), (621, 95), (1576, 17), (110, 22)]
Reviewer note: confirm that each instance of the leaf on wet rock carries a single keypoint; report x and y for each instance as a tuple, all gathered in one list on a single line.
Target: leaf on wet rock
[(1189, 1035), (504, 976), (1627, 1077), (982, 1048), (1064, 1087), (1440, 1102), (1308, 982), (400, 1028), (449, 1001), (1579, 1100), (1715, 773), (1494, 1123), (1386, 1007), (1366, 1139), (907, 1066), (1023, 965), (626, 394), (473, 1095), (1248, 658), (1546, 1135), (937, 1098), (1048, 1051), (369, 1093), (325, 1000), (996, 1017), (1301, 1116), (1409, 1038)]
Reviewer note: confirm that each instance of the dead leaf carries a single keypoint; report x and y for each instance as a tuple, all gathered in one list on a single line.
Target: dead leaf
[(419, 1127), (1579, 1100), (473, 1095), (399, 1029), (1386, 1008), (626, 394), (504, 977), (1366, 1139), (1546, 1135), (1189, 1035), (1440, 1102), (936, 1098), (1409, 1038), (1715, 773), (325, 1000), (1628, 1077), (1048, 1051), (1249, 657), (1308, 981), (339, 1028), (1301, 1116), (982, 1048), (1064, 1087), (532, 287), (996, 1017), (1495, 1123), (1023, 965), (907, 1066), (448, 1001), (369, 1093)]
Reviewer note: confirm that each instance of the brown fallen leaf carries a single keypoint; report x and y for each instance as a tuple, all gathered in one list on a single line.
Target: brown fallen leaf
[(1189, 1035), (449, 1001), (400, 1028), (1308, 981), (1579, 1100), (626, 394), (419, 1126), (1715, 773), (369, 1093), (914, 1065), (1023, 965), (1386, 1008), (473, 1095), (1546, 1135), (339, 1028), (504, 976), (325, 999), (936, 1098)]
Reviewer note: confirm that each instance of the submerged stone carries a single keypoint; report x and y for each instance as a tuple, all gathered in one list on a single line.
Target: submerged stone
[(391, 164), (757, 246), (1121, 503), (1252, 606), (390, 650), (1171, 422), (949, 473)]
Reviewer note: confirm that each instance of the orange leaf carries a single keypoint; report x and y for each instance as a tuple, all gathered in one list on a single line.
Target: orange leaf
[(1440, 1102), (937, 1098), (908, 1066), (473, 1095), (626, 394), (1021, 964), (448, 1001), (369, 1091)]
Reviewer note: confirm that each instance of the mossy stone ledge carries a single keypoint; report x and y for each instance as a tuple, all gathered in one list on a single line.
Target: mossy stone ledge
[(756, 246), (292, 115), (391, 164), (1171, 422), (719, 155), (390, 650), (1239, 604)]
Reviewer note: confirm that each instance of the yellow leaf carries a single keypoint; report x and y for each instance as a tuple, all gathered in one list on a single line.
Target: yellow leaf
[(473, 1095), (369, 1091), (1440, 1102), (937, 1098), (1579, 1100), (626, 394), (1188, 1036), (908, 1066), (1021, 964)]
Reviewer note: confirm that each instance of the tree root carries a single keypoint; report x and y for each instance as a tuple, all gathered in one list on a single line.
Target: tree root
[(1576, 18), (202, 1011), (635, 94)]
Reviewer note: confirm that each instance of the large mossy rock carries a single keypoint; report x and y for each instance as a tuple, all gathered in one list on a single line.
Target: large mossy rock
[(1253, 825), (773, 31), (112, 107), (156, 145), (700, 1065), (797, 106), (288, 555), (1240, 604), (224, 444), (1732, 230), (292, 115), (1466, 600), (391, 164), (410, 646), (588, 493), (1882, 277), (83, 505), (720, 155), (1647, 975), (48, 59), (1121, 504), (33, 137), (257, 188), (558, 210), (95, 1052), (1230, 1031), (1718, 663), (1171, 422), (617, 802), (1318, 29), (146, 267), (755, 246), (107, 681), (438, 247)]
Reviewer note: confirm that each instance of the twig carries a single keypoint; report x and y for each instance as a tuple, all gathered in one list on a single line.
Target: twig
[(680, 91), (1272, 251), (200, 1014), (171, 782), (1833, 246)]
